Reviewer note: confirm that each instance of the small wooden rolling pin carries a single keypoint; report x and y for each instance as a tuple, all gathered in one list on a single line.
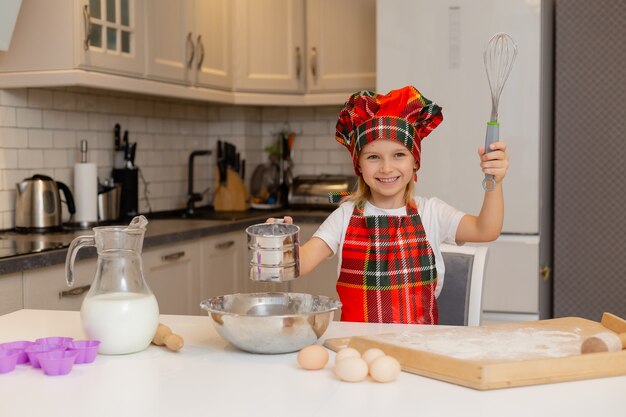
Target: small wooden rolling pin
[(604, 342)]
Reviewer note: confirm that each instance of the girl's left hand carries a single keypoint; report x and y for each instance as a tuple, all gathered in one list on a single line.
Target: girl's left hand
[(496, 161)]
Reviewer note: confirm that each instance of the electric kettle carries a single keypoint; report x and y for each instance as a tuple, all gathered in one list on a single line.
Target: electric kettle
[(38, 204)]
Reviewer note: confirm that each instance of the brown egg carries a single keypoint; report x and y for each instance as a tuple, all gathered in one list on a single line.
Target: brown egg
[(312, 357), (384, 369)]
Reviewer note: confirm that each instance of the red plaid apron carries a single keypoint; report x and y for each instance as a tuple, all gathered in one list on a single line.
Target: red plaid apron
[(388, 272)]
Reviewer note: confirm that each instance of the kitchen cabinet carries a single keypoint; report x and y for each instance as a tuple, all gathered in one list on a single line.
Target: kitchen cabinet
[(56, 35), (46, 288), (190, 42), (223, 265), (297, 46), (172, 272), (11, 294)]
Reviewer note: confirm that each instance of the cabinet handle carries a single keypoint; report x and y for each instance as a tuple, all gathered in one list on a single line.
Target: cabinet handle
[(191, 48), (173, 256), (87, 20), (224, 245), (200, 47), (298, 62), (314, 62), (74, 292)]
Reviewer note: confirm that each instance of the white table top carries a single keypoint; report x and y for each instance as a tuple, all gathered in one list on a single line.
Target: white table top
[(209, 377)]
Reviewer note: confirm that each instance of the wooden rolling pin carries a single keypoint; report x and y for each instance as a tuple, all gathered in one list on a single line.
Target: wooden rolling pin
[(604, 342)]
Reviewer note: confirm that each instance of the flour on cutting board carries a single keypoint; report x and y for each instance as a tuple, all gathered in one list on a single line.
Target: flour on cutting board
[(475, 343)]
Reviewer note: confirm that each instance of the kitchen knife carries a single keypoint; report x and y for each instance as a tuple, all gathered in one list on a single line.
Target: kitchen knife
[(243, 168), (117, 136), (221, 164)]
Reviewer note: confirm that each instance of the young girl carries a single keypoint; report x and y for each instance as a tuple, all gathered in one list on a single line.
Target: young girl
[(391, 266)]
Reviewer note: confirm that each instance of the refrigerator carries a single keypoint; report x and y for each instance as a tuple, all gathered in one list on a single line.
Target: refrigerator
[(437, 46)]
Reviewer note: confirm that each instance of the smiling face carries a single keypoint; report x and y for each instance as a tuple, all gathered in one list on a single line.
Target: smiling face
[(387, 167)]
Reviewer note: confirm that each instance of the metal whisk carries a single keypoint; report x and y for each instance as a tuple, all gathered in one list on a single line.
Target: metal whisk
[(499, 56)]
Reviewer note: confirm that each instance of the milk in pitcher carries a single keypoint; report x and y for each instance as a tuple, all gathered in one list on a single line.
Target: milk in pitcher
[(123, 322)]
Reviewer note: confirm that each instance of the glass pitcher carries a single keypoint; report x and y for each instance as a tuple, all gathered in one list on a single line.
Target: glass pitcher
[(119, 310)]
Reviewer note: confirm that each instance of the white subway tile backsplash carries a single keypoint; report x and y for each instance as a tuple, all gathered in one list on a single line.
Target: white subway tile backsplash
[(14, 97), (54, 119), (315, 128), (27, 117), (56, 159), (86, 102), (30, 158), (13, 138), (62, 100), (77, 120), (9, 159), (39, 99), (66, 139), (39, 139), (8, 116), (40, 131)]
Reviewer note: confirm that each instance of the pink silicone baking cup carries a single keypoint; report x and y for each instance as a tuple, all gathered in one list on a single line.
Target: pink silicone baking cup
[(8, 359), (87, 350), (54, 340), (18, 345), (57, 362), (33, 351)]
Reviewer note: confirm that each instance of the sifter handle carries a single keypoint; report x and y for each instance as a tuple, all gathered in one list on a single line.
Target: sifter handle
[(492, 135)]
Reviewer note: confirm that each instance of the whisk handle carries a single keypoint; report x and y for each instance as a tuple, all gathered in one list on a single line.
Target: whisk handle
[(493, 135)]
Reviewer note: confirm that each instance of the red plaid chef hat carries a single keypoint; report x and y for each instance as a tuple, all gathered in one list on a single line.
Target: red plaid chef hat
[(403, 115)]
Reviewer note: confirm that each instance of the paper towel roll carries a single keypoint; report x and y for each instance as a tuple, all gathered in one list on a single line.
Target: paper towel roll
[(86, 192)]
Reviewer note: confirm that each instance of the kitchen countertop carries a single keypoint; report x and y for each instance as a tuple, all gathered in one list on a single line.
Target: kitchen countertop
[(210, 377), (24, 251)]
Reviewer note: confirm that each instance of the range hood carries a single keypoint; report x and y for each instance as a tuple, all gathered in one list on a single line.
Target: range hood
[(10, 10)]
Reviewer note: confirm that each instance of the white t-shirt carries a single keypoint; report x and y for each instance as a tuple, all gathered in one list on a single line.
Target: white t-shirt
[(440, 222)]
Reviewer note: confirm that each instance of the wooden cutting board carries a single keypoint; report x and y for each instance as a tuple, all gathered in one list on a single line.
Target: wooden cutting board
[(500, 356)]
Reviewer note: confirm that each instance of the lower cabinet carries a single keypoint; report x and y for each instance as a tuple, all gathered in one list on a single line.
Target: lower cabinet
[(46, 288), (172, 272), (11, 293), (223, 265)]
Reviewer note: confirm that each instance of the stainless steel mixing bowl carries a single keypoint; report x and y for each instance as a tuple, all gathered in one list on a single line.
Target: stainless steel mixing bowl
[(271, 322)]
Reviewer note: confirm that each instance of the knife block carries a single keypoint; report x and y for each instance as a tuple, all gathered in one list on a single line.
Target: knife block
[(232, 195), (128, 178)]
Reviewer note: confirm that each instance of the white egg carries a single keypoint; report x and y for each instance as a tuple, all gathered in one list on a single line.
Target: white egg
[(385, 369), (347, 353), (351, 369), (370, 354)]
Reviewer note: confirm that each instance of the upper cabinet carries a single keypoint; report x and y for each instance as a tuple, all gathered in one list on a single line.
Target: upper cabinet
[(305, 46), (54, 35), (112, 35), (190, 42), (270, 52)]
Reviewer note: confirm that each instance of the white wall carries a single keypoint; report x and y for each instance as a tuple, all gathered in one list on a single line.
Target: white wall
[(40, 132)]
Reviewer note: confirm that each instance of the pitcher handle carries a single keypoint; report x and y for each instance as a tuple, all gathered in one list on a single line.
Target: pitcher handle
[(77, 243)]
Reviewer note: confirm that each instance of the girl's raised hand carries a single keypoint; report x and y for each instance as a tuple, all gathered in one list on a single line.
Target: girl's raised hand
[(494, 162)]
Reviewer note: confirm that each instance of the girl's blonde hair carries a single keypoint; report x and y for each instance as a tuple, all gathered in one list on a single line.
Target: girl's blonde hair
[(363, 193)]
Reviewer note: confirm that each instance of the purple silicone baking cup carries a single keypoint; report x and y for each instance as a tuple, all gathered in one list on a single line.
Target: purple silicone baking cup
[(87, 350), (18, 345), (33, 351), (54, 340), (8, 359), (57, 362)]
